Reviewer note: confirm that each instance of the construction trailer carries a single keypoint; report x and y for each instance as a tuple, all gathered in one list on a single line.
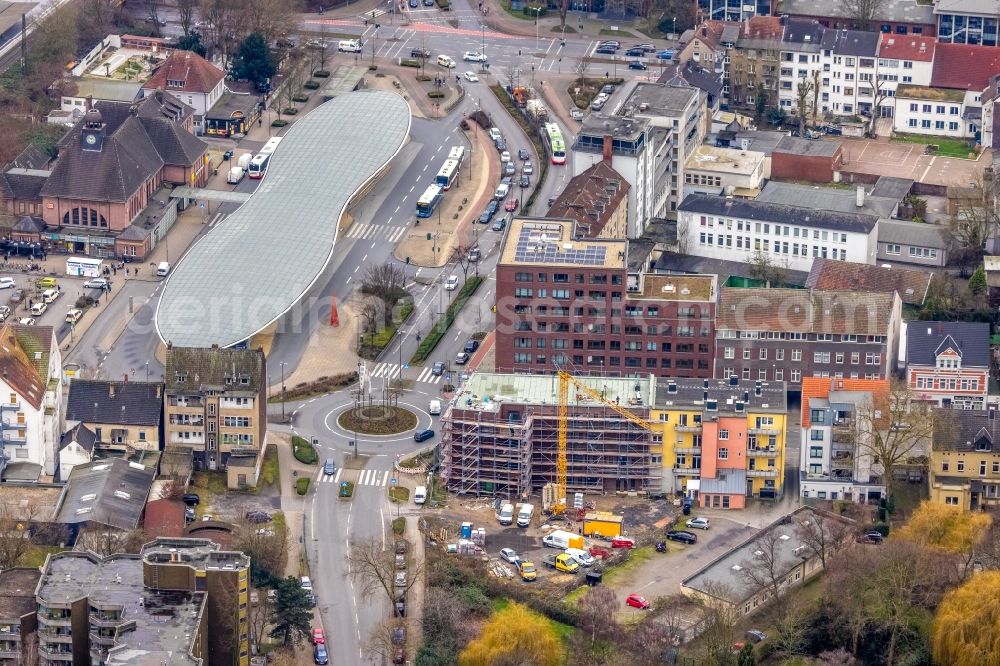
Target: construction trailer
[(501, 437), (603, 524)]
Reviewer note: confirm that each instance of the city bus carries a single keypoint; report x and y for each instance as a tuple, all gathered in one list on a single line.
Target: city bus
[(429, 200), (457, 154), (554, 140), (448, 174), (258, 165)]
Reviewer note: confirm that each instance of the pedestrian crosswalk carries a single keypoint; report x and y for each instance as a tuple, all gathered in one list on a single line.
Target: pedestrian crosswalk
[(427, 377), (367, 477), (384, 371), (373, 231)]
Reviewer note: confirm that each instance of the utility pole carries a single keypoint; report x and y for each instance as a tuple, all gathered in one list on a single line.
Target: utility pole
[(282, 364)]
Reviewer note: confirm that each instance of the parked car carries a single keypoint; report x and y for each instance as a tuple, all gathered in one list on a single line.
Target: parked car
[(623, 542), (635, 53), (420, 53), (607, 89), (682, 536), (510, 555), (17, 296), (645, 48), (509, 169), (528, 168), (511, 204), (505, 156), (451, 283), (755, 636), (26, 321), (501, 144), (414, 4), (699, 523), (95, 283), (422, 435), (191, 499), (485, 217), (317, 636), (637, 601), (73, 316), (4, 312), (576, 114), (523, 154), (401, 546), (495, 134), (474, 56), (500, 224), (400, 580), (636, 64), (7, 283), (461, 358), (399, 608), (438, 368), (320, 656), (871, 536), (667, 54), (613, 43), (605, 50), (471, 77), (471, 346)]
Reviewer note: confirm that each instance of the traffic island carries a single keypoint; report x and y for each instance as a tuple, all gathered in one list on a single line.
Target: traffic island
[(346, 491), (377, 420)]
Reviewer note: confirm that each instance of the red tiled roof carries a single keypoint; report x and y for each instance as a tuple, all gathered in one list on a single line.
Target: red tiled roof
[(763, 27), (830, 275), (710, 32), (197, 74), (820, 387), (964, 67), (592, 198), (17, 370), (165, 517), (907, 47)]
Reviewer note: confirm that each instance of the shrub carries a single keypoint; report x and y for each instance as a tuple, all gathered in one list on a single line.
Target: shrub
[(346, 489), (425, 348), (409, 62), (321, 74), (435, 94), (398, 525), (311, 85), (372, 68), (290, 111), (278, 123), (303, 451), (423, 77), (444, 4), (301, 97), (528, 10), (301, 486)]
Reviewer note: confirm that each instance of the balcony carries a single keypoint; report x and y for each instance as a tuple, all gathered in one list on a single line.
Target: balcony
[(99, 639), (762, 473), (56, 652), (54, 636), (105, 619), (10, 652), (9, 632), (687, 471), (762, 453), (842, 446), (696, 450), (843, 436), (10, 406), (764, 430), (56, 618), (696, 427)]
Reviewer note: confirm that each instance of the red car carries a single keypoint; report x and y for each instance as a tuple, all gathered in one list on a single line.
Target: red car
[(318, 637), (636, 601), (622, 542), (511, 205)]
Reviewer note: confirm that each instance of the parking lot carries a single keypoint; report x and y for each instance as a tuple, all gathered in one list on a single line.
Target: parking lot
[(69, 289), (907, 160)]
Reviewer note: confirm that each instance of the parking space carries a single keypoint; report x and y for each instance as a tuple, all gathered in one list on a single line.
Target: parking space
[(908, 160), (69, 289)]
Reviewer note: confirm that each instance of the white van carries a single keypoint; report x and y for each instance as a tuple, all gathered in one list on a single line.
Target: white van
[(524, 515), (38, 308), (446, 61), (434, 408), (420, 495), (503, 189), (50, 295), (506, 514), (163, 269), (349, 46)]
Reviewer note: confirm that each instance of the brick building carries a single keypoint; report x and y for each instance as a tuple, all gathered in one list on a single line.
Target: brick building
[(788, 334), (563, 301), (948, 362), (804, 160)]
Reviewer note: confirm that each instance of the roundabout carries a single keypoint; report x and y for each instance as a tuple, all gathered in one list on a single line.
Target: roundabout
[(377, 420)]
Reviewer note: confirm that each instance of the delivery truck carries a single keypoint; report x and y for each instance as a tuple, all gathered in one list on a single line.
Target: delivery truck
[(561, 562), (235, 175), (244, 161), (562, 540)]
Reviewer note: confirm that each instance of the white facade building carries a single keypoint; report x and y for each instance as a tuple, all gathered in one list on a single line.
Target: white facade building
[(30, 401), (712, 170), (801, 62), (903, 60), (933, 111)]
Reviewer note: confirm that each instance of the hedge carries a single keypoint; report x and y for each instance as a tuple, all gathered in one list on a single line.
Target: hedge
[(346, 489), (300, 98), (440, 328), (290, 111), (409, 62), (445, 5), (372, 346), (303, 451), (321, 73), (435, 94), (302, 486), (279, 123), (311, 85)]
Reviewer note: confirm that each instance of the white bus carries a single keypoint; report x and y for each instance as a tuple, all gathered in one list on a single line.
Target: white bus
[(447, 175), (429, 200), (258, 165), (457, 154)]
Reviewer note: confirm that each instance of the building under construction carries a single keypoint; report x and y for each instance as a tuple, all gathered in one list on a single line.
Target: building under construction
[(500, 437)]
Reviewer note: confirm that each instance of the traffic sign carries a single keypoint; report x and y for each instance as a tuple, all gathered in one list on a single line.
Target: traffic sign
[(392, 481)]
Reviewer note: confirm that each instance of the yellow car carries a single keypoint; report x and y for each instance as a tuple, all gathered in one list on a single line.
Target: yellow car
[(527, 571), (46, 283)]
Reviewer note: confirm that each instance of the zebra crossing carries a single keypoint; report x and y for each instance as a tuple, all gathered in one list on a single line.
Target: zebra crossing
[(367, 477), (391, 371), (426, 377), (372, 231)]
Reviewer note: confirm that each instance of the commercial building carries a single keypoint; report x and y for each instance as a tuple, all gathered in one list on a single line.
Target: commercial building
[(902, 17), (965, 459), (17, 614), (191, 79), (215, 409), (597, 200), (835, 458), (105, 493), (948, 362), (569, 302), (31, 407), (725, 171), (723, 440), (124, 416), (806, 160), (180, 601), (830, 275), (728, 581), (790, 334), (969, 22)]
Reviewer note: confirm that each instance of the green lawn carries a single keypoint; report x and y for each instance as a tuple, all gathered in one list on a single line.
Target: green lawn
[(35, 557), (946, 147), (605, 32), (270, 470), (638, 556), (399, 494)]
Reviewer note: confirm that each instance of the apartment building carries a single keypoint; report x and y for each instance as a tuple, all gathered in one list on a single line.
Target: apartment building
[(903, 60), (215, 409), (948, 362), (965, 459), (835, 461), (597, 200), (569, 302), (754, 70), (722, 440), (124, 416), (648, 135), (499, 437), (31, 401), (850, 58), (713, 170), (932, 111), (191, 79), (801, 65), (790, 334), (17, 614)]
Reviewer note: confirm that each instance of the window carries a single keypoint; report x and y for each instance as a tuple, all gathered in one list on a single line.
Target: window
[(815, 451), (723, 454), (723, 434), (796, 355), (951, 499), (763, 354), (891, 248), (796, 376), (729, 353), (945, 466), (961, 466), (816, 435)]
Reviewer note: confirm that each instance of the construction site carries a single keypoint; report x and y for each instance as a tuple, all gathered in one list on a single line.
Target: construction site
[(502, 436)]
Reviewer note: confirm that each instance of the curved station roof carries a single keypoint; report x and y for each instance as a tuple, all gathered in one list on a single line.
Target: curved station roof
[(262, 259)]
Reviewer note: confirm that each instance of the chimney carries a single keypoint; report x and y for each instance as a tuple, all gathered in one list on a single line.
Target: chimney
[(111, 391), (860, 196), (704, 31), (90, 102), (606, 148), (158, 387)]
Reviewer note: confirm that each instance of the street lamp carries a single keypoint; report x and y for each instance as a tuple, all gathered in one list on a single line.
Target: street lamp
[(399, 333), (282, 364), (537, 11)]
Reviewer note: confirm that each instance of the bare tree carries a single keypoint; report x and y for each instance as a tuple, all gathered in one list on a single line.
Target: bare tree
[(293, 80), (185, 12), (460, 257), (768, 569), (880, 91), (581, 71), (718, 624), (764, 268), (267, 545), (371, 311), (106, 540), (975, 221), (15, 535), (789, 639), (597, 611), (154, 16), (892, 428), (815, 95), (373, 570), (822, 533), (386, 282), (862, 13), (270, 18), (260, 617), (802, 102), (383, 640)]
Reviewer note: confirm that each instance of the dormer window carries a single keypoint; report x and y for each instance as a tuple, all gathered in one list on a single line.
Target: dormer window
[(983, 441), (175, 83), (948, 363), (181, 377)]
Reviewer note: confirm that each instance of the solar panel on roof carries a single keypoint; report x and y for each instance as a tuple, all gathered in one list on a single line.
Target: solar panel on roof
[(533, 246)]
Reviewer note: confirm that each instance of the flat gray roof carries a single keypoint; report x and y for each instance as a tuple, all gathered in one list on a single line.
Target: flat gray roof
[(257, 263)]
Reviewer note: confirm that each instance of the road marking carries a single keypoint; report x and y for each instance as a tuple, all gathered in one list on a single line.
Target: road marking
[(381, 514), (349, 279), (356, 268), (413, 188), (397, 208), (336, 478), (425, 167), (319, 476), (373, 246), (364, 258)]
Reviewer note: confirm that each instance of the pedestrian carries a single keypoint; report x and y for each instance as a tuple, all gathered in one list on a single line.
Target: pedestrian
[(114, 269)]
